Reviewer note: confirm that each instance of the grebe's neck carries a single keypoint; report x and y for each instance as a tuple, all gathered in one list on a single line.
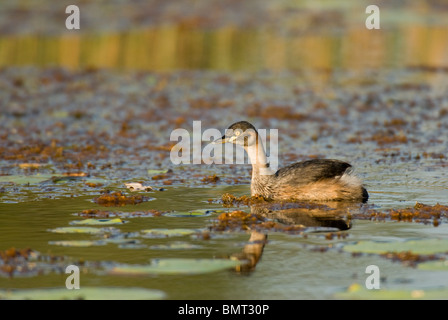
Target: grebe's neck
[(257, 156)]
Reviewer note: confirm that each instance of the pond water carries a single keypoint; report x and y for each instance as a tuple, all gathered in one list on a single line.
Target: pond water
[(81, 114)]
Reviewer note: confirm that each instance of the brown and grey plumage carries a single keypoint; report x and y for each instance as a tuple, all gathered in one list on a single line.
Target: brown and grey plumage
[(318, 179)]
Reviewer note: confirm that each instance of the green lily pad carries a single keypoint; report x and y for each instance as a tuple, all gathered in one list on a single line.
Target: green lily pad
[(165, 233), (175, 266), (156, 171), (426, 246), (88, 230), (193, 213), (22, 179), (175, 246), (84, 293), (434, 265), (96, 222), (359, 292), (77, 243)]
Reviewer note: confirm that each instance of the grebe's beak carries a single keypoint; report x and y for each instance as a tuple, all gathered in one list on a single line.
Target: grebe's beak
[(222, 140)]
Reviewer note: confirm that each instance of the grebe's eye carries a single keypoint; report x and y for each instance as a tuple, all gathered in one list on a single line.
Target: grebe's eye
[(237, 132)]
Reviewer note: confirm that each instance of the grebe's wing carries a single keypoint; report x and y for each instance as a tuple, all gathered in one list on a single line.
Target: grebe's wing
[(312, 170)]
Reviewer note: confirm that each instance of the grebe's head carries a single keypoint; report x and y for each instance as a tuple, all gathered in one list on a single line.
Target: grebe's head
[(241, 133)]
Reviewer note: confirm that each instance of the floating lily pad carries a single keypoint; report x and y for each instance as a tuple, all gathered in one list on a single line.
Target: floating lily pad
[(175, 246), (22, 179), (434, 265), (96, 222), (175, 266), (88, 230), (193, 213), (426, 246), (77, 243), (359, 292), (84, 293), (165, 233), (132, 246), (156, 171)]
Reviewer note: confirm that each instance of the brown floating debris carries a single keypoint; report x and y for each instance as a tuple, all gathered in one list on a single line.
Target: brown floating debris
[(229, 200), (421, 213), (95, 213), (118, 199), (210, 179)]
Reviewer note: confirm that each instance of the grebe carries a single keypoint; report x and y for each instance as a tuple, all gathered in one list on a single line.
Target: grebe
[(316, 180)]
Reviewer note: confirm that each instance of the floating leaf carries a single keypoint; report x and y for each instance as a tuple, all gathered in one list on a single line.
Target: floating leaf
[(88, 230), (84, 293), (193, 213), (426, 246), (155, 171), (434, 265), (176, 266), (165, 233), (77, 243), (358, 292), (96, 222), (22, 179), (132, 246), (175, 246)]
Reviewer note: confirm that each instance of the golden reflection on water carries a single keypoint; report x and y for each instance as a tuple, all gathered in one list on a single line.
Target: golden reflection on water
[(174, 47)]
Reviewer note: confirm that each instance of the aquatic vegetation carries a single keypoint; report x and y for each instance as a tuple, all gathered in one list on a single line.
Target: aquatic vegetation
[(110, 199), (26, 179), (84, 293), (235, 220), (28, 262), (174, 266), (421, 246), (96, 213), (193, 213), (179, 245), (167, 233), (420, 213), (88, 230), (210, 179), (359, 292), (434, 265), (77, 243), (410, 252), (229, 200), (98, 222)]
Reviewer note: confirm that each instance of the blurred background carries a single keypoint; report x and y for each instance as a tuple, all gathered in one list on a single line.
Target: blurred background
[(226, 35)]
